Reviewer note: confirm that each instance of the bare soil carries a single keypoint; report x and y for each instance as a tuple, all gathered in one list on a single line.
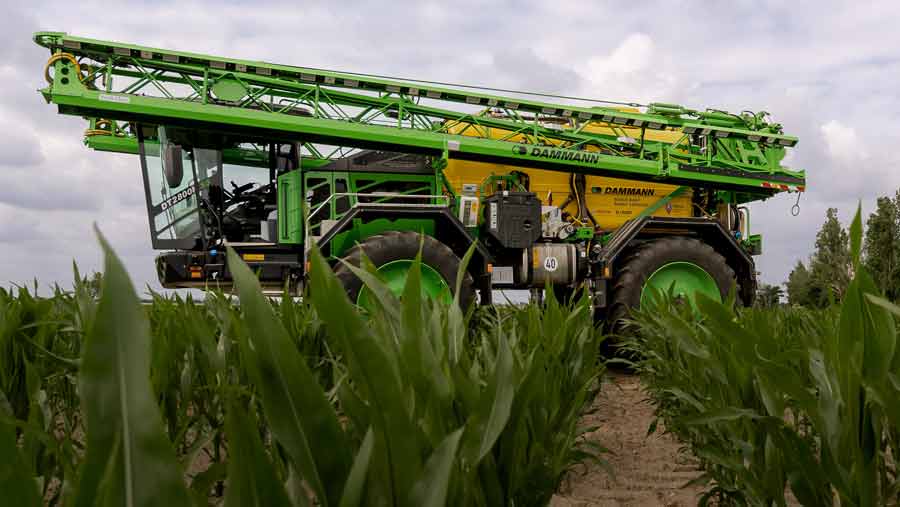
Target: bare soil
[(649, 470)]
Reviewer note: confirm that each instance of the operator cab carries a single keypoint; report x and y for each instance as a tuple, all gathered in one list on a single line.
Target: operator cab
[(197, 204)]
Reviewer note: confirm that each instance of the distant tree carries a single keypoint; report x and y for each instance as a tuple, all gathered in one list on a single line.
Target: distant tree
[(882, 245), (799, 286), (768, 296), (830, 266)]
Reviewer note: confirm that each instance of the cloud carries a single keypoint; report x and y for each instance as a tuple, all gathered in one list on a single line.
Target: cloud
[(17, 228), (842, 142), (837, 92), (634, 54), (633, 72), (64, 181), (19, 146)]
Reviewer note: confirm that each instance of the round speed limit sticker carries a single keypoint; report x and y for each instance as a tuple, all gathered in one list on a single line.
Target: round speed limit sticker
[(551, 263)]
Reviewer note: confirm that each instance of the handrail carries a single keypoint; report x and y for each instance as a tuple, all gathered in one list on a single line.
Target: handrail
[(307, 220)]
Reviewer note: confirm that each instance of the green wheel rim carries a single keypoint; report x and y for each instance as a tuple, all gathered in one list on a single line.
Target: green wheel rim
[(688, 278), (394, 275)]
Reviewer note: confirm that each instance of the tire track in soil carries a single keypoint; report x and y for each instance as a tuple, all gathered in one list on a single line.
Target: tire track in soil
[(649, 470)]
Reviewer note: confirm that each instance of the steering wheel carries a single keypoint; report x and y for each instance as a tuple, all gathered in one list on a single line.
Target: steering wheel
[(237, 190)]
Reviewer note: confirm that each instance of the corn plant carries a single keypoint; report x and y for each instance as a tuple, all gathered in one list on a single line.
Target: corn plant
[(794, 400), (40, 342)]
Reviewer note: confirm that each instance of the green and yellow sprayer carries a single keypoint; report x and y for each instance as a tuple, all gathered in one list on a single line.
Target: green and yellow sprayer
[(272, 159)]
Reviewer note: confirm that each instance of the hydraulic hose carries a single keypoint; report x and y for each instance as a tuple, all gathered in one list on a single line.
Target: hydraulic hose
[(62, 56)]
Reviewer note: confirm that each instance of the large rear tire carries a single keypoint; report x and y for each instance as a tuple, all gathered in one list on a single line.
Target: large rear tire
[(392, 253), (691, 265)]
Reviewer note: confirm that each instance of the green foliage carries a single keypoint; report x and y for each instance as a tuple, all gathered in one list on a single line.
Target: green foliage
[(786, 399), (125, 440), (830, 269), (882, 246), (830, 266), (288, 402), (799, 286), (768, 296)]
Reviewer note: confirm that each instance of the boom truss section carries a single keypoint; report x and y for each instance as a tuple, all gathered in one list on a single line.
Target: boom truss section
[(261, 102)]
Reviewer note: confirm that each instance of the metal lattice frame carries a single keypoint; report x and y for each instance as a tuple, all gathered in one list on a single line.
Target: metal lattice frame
[(264, 101)]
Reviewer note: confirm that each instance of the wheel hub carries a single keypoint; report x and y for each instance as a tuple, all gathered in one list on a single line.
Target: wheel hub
[(686, 280), (395, 273)]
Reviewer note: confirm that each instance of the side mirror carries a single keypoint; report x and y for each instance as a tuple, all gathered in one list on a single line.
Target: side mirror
[(173, 165)]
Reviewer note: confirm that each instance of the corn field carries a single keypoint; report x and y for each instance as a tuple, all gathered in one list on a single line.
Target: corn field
[(236, 399), (249, 401), (781, 405)]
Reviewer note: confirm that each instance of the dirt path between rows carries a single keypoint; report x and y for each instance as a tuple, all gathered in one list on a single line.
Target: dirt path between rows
[(649, 470)]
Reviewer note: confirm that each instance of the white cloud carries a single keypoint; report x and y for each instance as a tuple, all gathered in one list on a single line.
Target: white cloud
[(632, 55), (842, 142), (633, 72), (837, 93)]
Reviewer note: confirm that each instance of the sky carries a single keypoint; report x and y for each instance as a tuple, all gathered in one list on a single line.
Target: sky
[(828, 71)]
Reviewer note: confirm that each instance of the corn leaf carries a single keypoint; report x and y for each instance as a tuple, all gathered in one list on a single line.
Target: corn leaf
[(123, 421), (374, 371), (295, 404), (16, 483), (431, 489), (252, 481), (856, 237), (486, 425), (356, 481)]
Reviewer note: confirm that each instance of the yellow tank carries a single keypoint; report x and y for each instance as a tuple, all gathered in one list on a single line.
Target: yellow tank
[(612, 201)]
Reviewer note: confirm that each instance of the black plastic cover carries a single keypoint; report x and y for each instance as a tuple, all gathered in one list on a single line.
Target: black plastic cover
[(513, 219)]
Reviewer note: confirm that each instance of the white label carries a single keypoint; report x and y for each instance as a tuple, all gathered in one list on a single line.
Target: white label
[(502, 275), (468, 211), (551, 264), (177, 198), (105, 97), (493, 215)]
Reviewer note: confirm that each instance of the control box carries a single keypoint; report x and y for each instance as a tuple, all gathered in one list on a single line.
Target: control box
[(513, 219)]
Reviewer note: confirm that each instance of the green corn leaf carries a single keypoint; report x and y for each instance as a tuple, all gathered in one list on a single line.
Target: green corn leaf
[(374, 369), (856, 237), (412, 342), (683, 396), (356, 481), (384, 298), (16, 483), (295, 404), (722, 415), (122, 418), (412, 294), (880, 337), (807, 479), (252, 481), (431, 489), (494, 407), (847, 357), (830, 399), (108, 489), (884, 303), (456, 318), (461, 274)]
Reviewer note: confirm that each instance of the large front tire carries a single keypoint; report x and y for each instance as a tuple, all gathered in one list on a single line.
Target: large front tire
[(392, 253), (687, 264)]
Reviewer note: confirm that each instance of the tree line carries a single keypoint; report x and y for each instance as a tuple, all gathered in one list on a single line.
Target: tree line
[(824, 278)]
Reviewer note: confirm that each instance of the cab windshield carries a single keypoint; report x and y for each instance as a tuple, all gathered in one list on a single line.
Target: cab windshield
[(177, 182)]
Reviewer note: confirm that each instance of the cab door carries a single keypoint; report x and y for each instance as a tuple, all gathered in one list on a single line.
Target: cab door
[(290, 207), (323, 206), (175, 179)]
